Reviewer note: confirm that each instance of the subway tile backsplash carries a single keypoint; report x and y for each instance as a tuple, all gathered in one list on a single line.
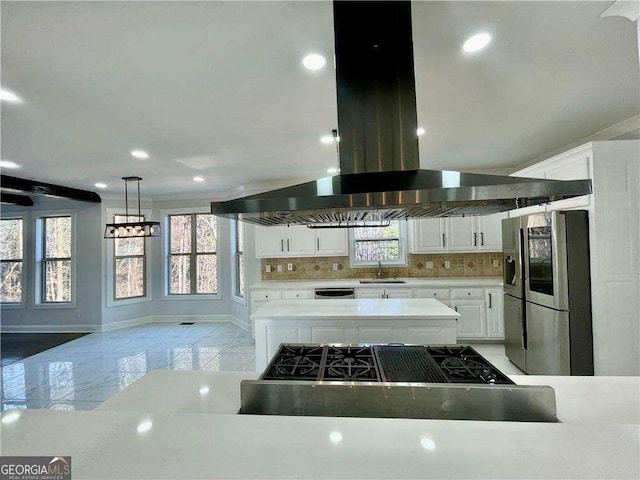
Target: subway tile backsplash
[(462, 265)]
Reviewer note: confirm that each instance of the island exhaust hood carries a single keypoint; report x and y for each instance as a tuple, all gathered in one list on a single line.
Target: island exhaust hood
[(380, 177)]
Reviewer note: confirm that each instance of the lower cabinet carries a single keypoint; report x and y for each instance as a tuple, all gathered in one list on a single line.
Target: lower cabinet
[(495, 313), (472, 321)]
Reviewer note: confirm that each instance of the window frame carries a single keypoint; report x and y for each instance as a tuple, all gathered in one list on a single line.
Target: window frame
[(166, 256), (109, 264), (24, 260), (236, 253), (40, 253), (402, 249), (145, 270)]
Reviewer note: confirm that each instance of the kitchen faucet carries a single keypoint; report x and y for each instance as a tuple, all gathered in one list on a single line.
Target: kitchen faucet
[(379, 273)]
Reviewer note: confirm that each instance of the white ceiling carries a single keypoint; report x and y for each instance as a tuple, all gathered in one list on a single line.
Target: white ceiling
[(217, 89)]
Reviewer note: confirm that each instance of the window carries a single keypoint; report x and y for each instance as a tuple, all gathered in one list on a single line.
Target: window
[(192, 254), (370, 245), (129, 269), (11, 234), (56, 259), (239, 259)]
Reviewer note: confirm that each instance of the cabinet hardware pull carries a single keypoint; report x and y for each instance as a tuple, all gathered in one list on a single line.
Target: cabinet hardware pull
[(455, 308), (489, 300), (481, 238), (475, 239), (443, 242), (282, 245), (288, 245), (318, 242)]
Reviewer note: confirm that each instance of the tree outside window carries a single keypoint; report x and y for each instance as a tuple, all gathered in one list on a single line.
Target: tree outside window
[(56, 259), (129, 263), (193, 267), (11, 235), (371, 245)]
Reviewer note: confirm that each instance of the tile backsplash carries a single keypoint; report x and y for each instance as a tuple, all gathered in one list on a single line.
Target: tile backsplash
[(321, 268)]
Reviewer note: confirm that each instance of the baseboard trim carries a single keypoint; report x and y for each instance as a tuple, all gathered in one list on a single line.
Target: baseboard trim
[(131, 322), (50, 328), (124, 324)]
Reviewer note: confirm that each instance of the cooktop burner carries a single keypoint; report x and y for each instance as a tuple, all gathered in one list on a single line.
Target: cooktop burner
[(378, 363)]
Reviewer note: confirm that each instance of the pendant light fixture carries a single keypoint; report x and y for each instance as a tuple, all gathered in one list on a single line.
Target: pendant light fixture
[(132, 229)]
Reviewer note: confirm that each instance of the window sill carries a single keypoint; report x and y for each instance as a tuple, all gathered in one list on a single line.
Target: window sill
[(240, 300), (127, 301), (54, 306), (191, 298), (12, 306)]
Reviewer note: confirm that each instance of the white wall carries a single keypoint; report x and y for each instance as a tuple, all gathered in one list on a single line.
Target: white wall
[(93, 311), (85, 314)]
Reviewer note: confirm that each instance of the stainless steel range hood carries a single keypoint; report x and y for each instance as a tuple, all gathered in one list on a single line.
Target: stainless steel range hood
[(380, 176)]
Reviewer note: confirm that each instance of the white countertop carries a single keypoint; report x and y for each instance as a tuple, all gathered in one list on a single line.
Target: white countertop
[(180, 444), (383, 309), (443, 282)]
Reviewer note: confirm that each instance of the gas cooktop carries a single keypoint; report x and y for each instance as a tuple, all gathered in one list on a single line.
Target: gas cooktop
[(383, 363), (396, 381)]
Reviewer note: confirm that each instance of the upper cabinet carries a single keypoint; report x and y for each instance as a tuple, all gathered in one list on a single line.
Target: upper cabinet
[(576, 164), (300, 241), (456, 234)]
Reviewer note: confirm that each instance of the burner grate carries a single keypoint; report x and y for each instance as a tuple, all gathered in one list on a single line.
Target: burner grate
[(408, 364)]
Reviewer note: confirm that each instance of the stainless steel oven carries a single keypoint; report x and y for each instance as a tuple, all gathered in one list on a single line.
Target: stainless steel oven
[(334, 293)]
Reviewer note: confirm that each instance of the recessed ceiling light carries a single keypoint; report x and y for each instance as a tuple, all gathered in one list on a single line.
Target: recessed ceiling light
[(314, 61), (140, 154), (327, 139), (421, 131), (7, 96), (198, 179), (477, 42), (100, 185), (8, 164), (144, 426), (332, 170)]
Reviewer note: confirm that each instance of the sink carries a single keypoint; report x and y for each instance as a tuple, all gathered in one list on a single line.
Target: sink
[(382, 280)]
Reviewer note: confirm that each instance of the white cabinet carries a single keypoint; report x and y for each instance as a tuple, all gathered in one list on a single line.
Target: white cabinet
[(472, 321), (331, 242), (576, 164), (384, 293), (489, 228), (494, 302), (456, 234), (300, 241), (270, 241), (461, 234), (427, 235)]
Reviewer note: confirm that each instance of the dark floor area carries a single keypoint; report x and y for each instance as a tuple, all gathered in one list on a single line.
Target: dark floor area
[(16, 346)]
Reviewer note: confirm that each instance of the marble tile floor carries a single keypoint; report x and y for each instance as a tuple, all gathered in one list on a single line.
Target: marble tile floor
[(83, 373)]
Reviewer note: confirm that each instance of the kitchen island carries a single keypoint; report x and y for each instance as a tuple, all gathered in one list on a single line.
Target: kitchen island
[(151, 431), (399, 320)]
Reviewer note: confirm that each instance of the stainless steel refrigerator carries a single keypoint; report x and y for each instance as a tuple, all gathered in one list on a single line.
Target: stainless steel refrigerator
[(547, 293)]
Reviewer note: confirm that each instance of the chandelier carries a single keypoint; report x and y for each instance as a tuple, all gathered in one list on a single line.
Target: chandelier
[(132, 229)]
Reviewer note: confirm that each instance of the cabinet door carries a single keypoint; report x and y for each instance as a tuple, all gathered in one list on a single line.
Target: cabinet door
[(495, 313), (332, 241), (427, 235), (461, 234), (471, 323), (490, 232), (398, 293), (369, 293), (270, 242), (300, 241)]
